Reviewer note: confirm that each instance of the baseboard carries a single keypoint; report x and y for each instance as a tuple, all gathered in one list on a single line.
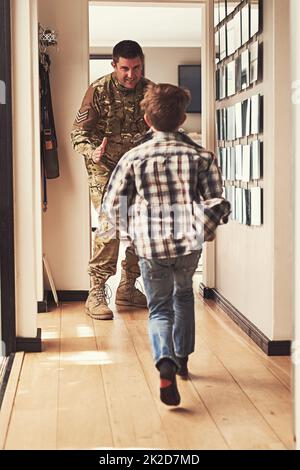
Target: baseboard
[(30, 344), (68, 295), (271, 348), (42, 307)]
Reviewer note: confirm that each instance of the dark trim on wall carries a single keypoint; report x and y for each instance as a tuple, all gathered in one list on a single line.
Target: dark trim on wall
[(271, 348), (30, 344), (6, 187), (42, 307), (68, 295)]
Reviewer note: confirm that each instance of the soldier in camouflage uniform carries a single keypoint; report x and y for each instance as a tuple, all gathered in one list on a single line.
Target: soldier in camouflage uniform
[(108, 124)]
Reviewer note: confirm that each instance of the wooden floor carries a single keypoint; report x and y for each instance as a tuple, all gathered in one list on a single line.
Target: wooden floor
[(94, 386)]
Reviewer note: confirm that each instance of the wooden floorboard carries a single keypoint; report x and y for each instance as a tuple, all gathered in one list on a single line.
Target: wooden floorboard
[(94, 386), (33, 422), (83, 420), (263, 389), (280, 366), (189, 426)]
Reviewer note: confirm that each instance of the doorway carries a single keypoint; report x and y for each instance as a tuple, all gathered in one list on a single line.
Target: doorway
[(167, 48)]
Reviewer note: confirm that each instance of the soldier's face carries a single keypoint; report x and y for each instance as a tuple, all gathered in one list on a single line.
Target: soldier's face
[(128, 71)]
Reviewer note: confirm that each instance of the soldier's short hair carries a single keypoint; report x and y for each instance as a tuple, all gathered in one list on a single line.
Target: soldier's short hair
[(128, 50), (165, 105)]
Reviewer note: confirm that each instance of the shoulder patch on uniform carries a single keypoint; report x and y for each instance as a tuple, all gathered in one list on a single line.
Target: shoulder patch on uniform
[(82, 116)]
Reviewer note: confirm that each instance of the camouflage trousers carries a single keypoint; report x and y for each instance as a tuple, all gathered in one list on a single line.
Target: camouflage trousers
[(103, 263)]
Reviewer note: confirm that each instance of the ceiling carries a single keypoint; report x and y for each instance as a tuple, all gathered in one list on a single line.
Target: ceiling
[(152, 25)]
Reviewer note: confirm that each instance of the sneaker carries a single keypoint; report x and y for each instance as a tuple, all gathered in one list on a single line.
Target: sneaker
[(169, 394), (183, 369), (96, 304)]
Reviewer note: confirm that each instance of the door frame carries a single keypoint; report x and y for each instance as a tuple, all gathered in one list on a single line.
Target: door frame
[(7, 262)]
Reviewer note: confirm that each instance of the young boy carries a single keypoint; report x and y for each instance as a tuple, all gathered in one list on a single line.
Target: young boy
[(173, 188)]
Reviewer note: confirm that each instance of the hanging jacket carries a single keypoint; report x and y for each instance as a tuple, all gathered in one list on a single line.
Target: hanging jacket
[(49, 153)]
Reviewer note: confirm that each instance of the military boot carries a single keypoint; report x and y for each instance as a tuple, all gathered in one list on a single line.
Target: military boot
[(127, 294), (96, 304)]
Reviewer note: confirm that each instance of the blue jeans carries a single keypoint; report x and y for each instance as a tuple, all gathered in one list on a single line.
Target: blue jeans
[(170, 298)]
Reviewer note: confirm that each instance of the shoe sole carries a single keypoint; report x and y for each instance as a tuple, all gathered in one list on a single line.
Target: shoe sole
[(170, 395), (124, 303), (99, 317)]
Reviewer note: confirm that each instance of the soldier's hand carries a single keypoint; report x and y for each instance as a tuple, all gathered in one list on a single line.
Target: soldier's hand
[(99, 151)]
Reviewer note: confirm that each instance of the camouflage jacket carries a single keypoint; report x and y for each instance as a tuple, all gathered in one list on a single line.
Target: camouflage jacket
[(109, 110)]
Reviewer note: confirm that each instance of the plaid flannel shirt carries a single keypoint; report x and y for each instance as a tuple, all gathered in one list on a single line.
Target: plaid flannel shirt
[(165, 196)]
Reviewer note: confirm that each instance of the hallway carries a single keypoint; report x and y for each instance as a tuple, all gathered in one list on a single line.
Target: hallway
[(94, 386)]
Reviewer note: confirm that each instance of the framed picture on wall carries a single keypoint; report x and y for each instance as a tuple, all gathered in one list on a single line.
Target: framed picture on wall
[(223, 83), (231, 5), (216, 13), (255, 114), (223, 44), (254, 62), (246, 117), (239, 205), (255, 17), (231, 81), (238, 121), (245, 23), (238, 74), (256, 206), (222, 9), (231, 123), (224, 163), (228, 173), (239, 162), (231, 198), (245, 72), (219, 156), (246, 207), (217, 84), (189, 76), (219, 125), (230, 29), (232, 163), (217, 46), (246, 164), (256, 160), (238, 30), (224, 123)]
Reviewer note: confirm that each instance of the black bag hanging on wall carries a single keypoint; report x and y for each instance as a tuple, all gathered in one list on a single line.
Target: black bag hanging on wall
[(49, 152)]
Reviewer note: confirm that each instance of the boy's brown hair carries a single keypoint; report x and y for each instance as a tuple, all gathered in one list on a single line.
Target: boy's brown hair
[(165, 106)]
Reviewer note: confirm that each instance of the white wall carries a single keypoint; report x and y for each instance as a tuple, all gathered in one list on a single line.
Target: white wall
[(295, 41), (254, 265), (66, 234), (161, 66), (26, 161)]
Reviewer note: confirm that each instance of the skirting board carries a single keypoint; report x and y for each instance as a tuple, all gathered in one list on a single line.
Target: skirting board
[(271, 348), (63, 296), (30, 344), (68, 295), (42, 306)]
